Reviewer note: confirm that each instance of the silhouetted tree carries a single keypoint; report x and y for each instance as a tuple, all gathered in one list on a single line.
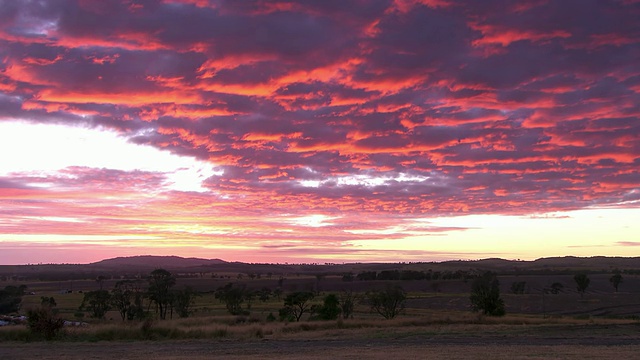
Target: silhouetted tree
[(556, 288), (277, 293), (48, 301), (485, 295), (330, 309), (10, 298), (182, 301), (43, 321), (296, 304), (232, 296), (127, 298), (389, 302), (347, 303), (616, 279), (100, 280), (388, 275), (366, 275), (412, 275), (97, 302), (348, 277), (582, 282), (264, 294), (160, 283)]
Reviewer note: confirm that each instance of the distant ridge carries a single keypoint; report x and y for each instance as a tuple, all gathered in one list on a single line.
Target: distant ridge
[(180, 265), (177, 262), (157, 262), (574, 261)]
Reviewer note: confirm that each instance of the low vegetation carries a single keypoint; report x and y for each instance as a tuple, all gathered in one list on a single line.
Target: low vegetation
[(485, 295), (164, 305)]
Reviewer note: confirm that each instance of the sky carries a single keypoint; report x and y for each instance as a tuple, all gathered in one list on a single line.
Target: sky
[(319, 131)]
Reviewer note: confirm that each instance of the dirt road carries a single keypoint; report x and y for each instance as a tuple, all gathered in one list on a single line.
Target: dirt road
[(576, 343)]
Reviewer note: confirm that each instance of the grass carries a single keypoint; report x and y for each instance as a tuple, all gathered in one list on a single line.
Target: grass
[(433, 335), (254, 327), (212, 321)]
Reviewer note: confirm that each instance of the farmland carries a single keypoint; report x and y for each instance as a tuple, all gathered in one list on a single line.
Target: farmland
[(436, 319)]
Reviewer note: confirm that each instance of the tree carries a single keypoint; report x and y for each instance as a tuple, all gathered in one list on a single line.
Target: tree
[(366, 275), (330, 309), (485, 295), (348, 277), (43, 321), (10, 298), (616, 279), (126, 297), (278, 293), (47, 301), (233, 297), (97, 302), (160, 283), (389, 302), (582, 282), (296, 304), (264, 294), (347, 303), (556, 288), (183, 301), (100, 280)]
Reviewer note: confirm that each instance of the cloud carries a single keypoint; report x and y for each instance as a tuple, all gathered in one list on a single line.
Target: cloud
[(628, 243), (373, 107)]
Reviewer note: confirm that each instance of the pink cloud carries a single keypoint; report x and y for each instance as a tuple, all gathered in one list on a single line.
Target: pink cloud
[(385, 107)]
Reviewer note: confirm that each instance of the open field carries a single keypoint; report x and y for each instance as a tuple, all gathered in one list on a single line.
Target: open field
[(600, 298), (573, 340), (436, 323)]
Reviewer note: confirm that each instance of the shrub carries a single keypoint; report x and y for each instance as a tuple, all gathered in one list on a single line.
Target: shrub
[(330, 309), (582, 282), (43, 323), (271, 317), (389, 302), (295, 305), (485, 295)]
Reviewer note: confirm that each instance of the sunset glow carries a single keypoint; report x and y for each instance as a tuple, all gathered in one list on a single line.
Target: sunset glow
[(313, 131)]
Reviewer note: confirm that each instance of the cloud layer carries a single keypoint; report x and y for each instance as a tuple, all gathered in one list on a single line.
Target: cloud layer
[(393, 109)]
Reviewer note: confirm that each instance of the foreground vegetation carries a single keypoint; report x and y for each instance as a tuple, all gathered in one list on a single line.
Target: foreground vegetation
[(389, 304), (246, 328), (410, 313)]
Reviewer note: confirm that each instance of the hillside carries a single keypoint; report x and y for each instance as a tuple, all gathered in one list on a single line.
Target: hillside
[(136, 265), (150, 261)]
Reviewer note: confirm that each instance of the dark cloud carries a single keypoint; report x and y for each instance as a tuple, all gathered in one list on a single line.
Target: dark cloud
[(399, 108)]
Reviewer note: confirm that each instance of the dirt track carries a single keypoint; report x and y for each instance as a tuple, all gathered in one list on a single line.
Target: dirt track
[(594, 342)]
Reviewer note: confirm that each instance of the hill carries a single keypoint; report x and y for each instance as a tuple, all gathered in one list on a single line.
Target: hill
[(151, 261), (136, 265)]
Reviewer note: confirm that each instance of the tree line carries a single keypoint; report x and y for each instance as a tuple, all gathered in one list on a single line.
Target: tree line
[(128, 298), (410, 275), (141, 299)]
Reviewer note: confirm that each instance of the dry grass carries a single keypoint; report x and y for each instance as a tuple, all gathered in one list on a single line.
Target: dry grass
[(252, 327), (199, 350), (434, 336)]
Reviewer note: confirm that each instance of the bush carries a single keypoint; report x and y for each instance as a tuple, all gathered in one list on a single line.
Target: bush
[(10, 299), (43, 323), (271, 317), (330, 309), (388, 303), (295, 305), (485, 295)]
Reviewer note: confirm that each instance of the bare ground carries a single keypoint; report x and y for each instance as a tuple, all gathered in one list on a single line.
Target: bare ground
[(514, 342)]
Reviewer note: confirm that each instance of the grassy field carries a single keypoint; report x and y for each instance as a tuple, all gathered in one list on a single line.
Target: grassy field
[(436, 323), (460, 336)]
